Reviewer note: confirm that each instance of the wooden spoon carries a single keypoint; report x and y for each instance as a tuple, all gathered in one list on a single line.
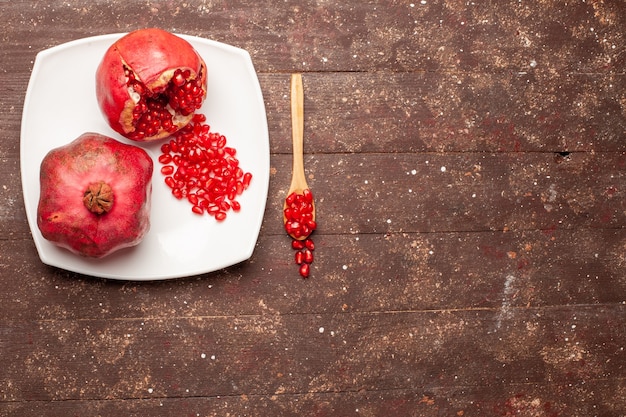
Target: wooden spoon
[(298, 179)]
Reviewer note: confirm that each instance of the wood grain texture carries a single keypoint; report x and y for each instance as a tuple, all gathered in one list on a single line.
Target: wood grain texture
[(468, 161)]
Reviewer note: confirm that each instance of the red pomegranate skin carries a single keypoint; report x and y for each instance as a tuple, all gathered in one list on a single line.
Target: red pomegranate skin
[(153, 55), (66, 174)]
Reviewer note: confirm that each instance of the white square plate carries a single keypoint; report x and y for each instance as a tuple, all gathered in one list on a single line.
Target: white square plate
[(60, 105)]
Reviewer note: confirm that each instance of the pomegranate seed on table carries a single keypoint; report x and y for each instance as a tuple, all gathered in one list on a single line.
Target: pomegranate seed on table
[(307, 256), (305, 270), (299, 258), (303, 255)]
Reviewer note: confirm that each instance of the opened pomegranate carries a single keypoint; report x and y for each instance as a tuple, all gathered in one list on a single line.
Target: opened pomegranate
[(149, 84), (95, 195)]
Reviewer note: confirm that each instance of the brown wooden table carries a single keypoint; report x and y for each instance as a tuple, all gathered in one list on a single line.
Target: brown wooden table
[(469, 165)]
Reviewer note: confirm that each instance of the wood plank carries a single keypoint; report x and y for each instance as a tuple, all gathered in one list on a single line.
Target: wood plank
[(351, 273), (327, 404), (452, 112), (357, 35), (603, 398), (273, 354)]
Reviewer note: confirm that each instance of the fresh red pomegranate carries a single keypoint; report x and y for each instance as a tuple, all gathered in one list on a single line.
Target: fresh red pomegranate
[(149, 84), (95, 195)]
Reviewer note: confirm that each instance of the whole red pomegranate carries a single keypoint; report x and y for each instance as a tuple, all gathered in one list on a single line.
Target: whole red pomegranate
[(95, 195), (149, 84)]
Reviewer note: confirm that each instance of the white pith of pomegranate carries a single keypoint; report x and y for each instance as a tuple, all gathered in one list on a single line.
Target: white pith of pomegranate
[(95, 195), (149, 84)]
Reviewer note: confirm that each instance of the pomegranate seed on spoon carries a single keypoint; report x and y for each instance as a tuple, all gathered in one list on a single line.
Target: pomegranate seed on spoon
[(299, 207)]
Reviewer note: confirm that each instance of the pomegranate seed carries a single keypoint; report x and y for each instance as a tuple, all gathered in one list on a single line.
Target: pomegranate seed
[(305, 270), (293, 228), (309, 244), (165, 158), (299, 258), (297, 244), (178, 78), (212, 208), (220, 215), (307, 256), (197, 209), (193, 199), (167, 170), (308, 196), (247, 177), (170, 182)]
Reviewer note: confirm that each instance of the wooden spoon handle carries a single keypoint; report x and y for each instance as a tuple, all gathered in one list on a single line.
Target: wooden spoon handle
[(298, 180)]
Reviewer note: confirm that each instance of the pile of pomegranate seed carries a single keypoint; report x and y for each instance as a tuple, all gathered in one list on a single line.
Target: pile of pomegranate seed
[(299, 223), (299, 214), (304, 255), (199, 166)]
